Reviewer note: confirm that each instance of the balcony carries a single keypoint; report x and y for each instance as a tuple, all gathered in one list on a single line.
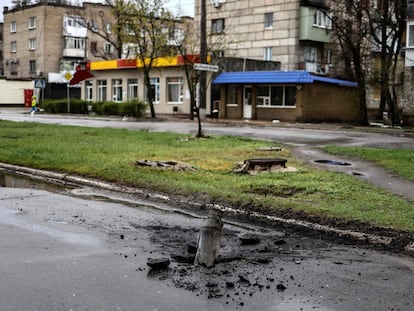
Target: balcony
[(314, 67), (311, 32), (323, 4)]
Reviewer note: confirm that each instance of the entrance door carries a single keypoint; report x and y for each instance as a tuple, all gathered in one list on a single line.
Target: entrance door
[(247, 102)]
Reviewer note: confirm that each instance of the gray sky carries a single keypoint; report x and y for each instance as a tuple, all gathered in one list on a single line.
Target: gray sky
[(187, 6)]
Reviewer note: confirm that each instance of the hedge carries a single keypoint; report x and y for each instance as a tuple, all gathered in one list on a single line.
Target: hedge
[(133, 108)]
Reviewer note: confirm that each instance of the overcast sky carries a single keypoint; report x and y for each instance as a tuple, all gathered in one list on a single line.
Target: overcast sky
[(187, 6)]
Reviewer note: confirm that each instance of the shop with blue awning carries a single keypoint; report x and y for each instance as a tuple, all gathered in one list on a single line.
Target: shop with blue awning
[(291, 96)]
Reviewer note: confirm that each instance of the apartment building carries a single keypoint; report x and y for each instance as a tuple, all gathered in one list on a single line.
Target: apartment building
[(295, 33), (408, 93), (46, 38)]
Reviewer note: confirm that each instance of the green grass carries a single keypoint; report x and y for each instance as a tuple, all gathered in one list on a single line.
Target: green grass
[(110, 154), (400, 161)]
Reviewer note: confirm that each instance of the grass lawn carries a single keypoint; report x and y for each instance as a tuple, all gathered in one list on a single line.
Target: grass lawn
[(110, 154)]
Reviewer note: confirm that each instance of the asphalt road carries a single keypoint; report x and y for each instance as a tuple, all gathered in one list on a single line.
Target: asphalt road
[(68, 252), (86, 249)]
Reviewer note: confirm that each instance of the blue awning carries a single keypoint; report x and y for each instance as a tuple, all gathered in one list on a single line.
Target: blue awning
[(276, 77)]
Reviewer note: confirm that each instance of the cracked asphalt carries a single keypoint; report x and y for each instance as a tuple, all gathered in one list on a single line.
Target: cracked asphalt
[(86, 248)]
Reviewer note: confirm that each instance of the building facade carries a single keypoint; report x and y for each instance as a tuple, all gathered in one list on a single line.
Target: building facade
[(45, 39), (294, 33)]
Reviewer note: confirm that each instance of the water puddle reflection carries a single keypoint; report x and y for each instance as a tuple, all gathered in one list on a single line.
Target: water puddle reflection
[(18, 181)]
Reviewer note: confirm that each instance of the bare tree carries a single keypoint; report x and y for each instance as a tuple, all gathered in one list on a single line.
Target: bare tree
[(351, 29), (145, 25), (387, 22)]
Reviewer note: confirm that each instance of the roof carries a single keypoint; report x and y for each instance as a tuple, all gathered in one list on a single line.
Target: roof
[(276, 77)]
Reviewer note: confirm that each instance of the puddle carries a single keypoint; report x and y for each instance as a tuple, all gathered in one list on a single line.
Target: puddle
[(332, 162), (18, 181)]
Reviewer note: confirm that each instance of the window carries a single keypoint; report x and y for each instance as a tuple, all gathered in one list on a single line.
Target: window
[(231, 99), (268, 20), (32, 44), (108, 48), (329, 57), (32, 66), (74, 43), (267, 53), (322, 19), (88, 94), (276, 96), (217, 26), (175, 90), (218, 53), (13, 27), (310, 54), (117, 90), (32, 22), (108, 28), (13, 68), (13, 46), (101, 90), (410, 35), (132, 89), (94, 47), (155, 90)]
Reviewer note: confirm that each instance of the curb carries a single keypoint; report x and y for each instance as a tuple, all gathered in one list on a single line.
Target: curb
[(73, 180)]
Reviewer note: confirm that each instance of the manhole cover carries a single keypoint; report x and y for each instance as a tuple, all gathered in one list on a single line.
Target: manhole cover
[(331, 162)]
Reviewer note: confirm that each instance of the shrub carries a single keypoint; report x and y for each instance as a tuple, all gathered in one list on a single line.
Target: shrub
[(133, 108), (61, 106)]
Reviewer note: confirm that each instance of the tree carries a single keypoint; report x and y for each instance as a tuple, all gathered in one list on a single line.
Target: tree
[(387, 21), (145, 25), (351, 30), (102, 21), (365, 29)]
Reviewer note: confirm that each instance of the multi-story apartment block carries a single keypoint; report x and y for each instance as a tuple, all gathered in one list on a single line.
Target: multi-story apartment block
[(43, 39), (1, 49), (408, 96), (295, 33)]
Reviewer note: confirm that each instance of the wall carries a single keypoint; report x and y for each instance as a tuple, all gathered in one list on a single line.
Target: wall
[(12, 92), (163, 106), (329, 103)]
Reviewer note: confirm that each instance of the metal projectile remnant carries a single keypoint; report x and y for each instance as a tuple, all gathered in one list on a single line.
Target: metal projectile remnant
[(209, 239)]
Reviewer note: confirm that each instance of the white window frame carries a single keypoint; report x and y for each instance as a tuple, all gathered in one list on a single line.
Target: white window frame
[(175, 82), (108, 48), (156, 83), (132, 89), (268, 53), (13, 47), (32, 44), (410, 34), (108, 28), (310, 54), (101, 87), (265, 101), (75, 43), (32, 22), (322, 19), (88, 91), (117, 90), (13, 27)]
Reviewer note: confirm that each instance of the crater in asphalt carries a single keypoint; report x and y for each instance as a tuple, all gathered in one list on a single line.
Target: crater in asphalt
[(333, 162)]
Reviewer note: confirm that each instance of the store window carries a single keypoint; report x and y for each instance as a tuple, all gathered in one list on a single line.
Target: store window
[(101, 90), (175, 90), (117, 90)]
